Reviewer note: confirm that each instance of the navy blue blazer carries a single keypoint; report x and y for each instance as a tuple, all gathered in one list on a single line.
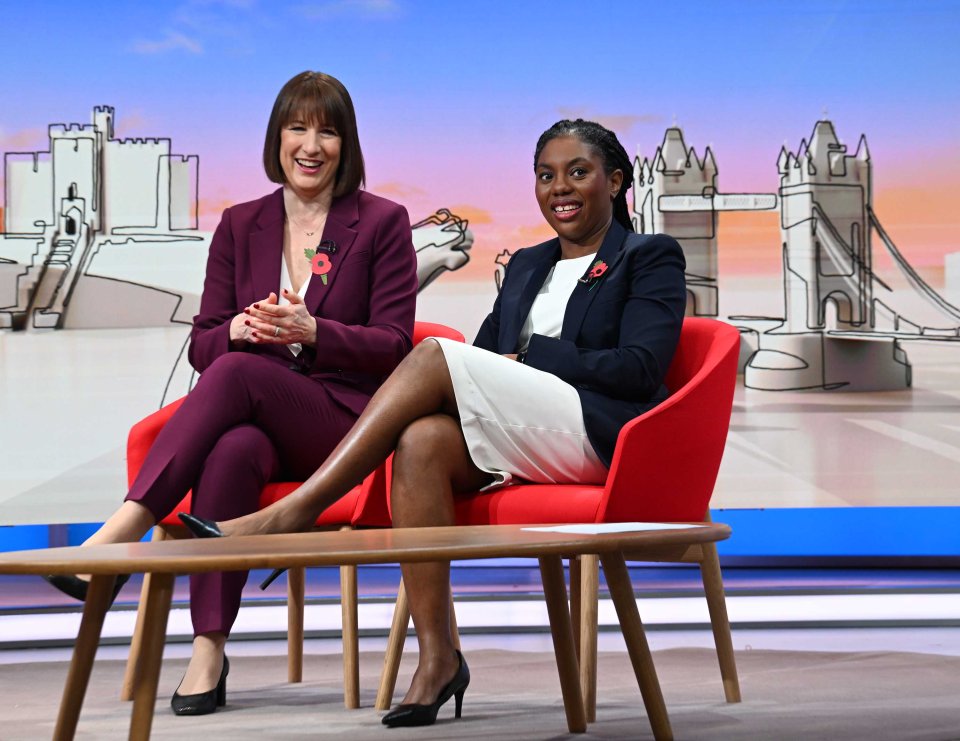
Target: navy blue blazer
[(619, 331)]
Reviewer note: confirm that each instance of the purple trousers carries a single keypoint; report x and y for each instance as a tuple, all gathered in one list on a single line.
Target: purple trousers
[(248, 421)]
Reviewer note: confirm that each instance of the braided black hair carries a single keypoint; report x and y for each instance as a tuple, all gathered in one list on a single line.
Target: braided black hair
[(607, 147)]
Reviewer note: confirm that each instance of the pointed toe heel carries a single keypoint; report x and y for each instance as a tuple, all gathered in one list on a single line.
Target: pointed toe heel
[(412, 714), (75, 587), (204, 528), (203, 703), (199, 526)]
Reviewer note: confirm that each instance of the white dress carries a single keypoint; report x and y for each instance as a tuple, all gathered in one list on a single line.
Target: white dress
[(520, 422)]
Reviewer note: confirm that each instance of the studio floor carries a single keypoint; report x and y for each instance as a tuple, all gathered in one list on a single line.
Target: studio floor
[(821, 654)]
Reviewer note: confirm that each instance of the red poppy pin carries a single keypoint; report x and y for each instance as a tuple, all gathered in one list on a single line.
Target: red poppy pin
[(319, 263), (595, 272)]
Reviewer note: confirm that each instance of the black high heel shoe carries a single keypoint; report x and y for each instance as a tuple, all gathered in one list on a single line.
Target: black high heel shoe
[(74, 586), (413, 714), (199, 526), (203, 528), (203, 703)]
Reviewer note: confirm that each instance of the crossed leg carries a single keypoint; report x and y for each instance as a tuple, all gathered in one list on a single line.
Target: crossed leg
[(430, 466), (420, 387), (414, 413)]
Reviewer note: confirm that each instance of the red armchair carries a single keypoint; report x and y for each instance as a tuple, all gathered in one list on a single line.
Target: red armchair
[(664, 469), (363, 506)]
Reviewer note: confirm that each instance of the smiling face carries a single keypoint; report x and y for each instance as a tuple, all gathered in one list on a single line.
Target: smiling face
[(575, 193), (309, 157)]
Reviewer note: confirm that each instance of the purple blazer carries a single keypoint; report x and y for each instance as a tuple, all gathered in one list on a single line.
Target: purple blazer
[(364, 313)]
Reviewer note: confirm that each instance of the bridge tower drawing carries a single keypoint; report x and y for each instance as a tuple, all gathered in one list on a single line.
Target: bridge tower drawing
[(676, 193), (677, 171), (843, 325), (824, 222)]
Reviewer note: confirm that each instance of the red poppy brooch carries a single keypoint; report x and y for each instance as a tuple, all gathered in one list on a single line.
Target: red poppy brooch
[(319, 263), (593, 275)]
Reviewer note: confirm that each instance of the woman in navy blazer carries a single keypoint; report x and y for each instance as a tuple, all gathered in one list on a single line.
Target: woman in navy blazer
[(308, 305), (580, 379)]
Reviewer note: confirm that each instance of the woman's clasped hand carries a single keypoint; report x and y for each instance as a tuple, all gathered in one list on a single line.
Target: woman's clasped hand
[(266, 322)]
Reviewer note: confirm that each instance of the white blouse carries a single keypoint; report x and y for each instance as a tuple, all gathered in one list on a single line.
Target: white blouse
[(296, 348), (546, 314)]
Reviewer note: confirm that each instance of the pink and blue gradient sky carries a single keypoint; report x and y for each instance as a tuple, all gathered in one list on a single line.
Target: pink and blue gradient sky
[(451, 96)]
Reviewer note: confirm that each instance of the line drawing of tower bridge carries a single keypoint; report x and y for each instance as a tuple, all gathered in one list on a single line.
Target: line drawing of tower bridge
[(843, 325), (102, 232)]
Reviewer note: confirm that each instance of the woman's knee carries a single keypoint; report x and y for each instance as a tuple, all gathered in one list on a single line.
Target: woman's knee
[(245, 450), (427, 441), (241, 463), (427, 355), (431, 464)]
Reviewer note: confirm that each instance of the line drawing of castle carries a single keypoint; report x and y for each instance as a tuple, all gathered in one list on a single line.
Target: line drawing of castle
[(68, 207), (102, 232), (843, 325)]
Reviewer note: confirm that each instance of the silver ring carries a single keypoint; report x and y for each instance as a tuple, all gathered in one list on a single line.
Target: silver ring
[(276, 332)]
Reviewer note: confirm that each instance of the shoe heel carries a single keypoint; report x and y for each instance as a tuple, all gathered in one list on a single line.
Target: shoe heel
[(222, 684), (270, 579), (458, 699)]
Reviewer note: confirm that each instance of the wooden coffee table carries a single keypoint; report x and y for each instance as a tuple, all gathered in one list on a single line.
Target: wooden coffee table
[(165, 559)]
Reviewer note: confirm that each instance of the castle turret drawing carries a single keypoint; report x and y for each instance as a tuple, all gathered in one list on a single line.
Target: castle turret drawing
[(88, 191), (102, 232)]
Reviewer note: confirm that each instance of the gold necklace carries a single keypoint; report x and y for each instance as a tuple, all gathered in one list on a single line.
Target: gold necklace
[(302, 227)]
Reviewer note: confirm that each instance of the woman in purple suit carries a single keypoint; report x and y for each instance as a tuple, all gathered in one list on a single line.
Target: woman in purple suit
[(308, 305)]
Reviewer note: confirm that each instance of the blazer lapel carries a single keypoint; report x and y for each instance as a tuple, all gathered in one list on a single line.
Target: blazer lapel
[(584, 293), (339, 233), (547, 256), (265, 248)]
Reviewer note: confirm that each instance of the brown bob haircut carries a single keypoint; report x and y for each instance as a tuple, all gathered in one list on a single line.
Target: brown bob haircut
[(317, 98)]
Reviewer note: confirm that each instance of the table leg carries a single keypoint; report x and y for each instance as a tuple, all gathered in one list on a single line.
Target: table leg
[(717, 605), (296, 584), (621, 591), (99, 595), (349, 622), (555, 593), (155, 614), (575, 593), (587, 648), (130, 674)]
